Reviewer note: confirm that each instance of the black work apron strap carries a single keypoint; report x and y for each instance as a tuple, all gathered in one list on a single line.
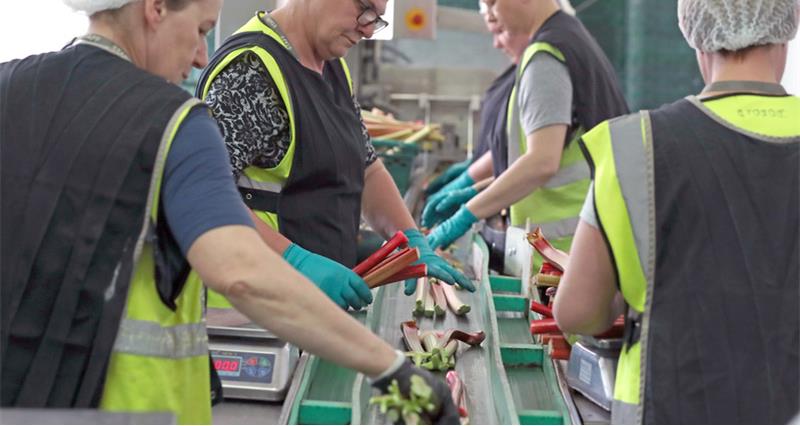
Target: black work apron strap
[(261, 200), (633, 328)]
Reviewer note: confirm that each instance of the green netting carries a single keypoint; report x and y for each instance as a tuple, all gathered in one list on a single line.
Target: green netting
[(643, 42)]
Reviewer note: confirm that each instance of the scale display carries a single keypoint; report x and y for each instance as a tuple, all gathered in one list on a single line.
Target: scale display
[(244, 366)]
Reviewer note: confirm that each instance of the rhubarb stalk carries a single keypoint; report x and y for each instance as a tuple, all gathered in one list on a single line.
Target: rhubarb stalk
[(429, 301), (458, 394), (419, 302), (378, 275), (472, 339), (409, 272), (411, 336), (398, 240), (456, 305), (555, 256), (541, 309), (439, 301), (544, 326)]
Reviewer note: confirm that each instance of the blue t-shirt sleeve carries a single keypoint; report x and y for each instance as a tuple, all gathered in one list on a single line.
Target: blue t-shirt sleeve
[(198, 193)]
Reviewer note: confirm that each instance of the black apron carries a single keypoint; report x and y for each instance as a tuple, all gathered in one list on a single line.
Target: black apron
[(79, 130), (596, 94), (494, 117), (724, 332), (319, 207)]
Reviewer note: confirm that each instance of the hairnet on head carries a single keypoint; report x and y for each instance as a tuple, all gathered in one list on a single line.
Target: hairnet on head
[(713, 25), (92, 6), (566, 6)]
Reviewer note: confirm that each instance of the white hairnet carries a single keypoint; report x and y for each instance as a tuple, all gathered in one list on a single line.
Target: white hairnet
[(566, 6), (92, 6), (713, 25)]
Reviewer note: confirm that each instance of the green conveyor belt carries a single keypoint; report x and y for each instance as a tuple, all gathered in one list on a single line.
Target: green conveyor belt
[(507, 379)]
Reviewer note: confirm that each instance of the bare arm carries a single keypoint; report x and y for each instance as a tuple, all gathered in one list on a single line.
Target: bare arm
[(482, 168), (271, 237), (381, 203), (587, 301), (529, 172), (234, 261)]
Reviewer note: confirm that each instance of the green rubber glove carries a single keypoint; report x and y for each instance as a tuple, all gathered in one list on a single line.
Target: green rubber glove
[(454, 200), (452, 229), (342, 285), (443, 179), (429, 215), (437, 267)]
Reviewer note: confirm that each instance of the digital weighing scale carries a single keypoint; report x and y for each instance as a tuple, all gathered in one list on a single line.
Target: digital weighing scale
[(251, 362), (592, 369)]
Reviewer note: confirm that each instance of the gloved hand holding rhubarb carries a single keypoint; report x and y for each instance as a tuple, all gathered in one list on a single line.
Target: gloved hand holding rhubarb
[(339, 283), (415, 396), (437, 267)]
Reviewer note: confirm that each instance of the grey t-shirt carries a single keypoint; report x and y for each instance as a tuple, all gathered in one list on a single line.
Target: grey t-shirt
[(545, 93)]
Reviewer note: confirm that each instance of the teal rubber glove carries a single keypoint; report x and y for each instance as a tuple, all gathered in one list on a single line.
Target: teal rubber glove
[(443, 179), (437, 267), (429, 215), (342, 285), (464, 180), (452, 229), (454, 200)]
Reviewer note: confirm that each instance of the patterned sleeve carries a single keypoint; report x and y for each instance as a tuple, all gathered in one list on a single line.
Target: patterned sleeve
[(251, 114), (371, 154)]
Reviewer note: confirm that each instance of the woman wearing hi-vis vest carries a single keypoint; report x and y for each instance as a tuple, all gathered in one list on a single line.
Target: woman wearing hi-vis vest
[(565, 85), (692, 230), (115, 183), (301, 155)]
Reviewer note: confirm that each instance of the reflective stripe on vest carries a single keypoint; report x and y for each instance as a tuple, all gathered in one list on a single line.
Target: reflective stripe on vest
[(621, 151), (250, 183), (149, 338), (160, 358), (554, 207)]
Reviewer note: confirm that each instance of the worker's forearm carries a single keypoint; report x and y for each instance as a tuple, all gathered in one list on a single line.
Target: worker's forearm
[(522, 178), (235, 262), (481, 168), (271, 237), (588, 301), (382, 205)]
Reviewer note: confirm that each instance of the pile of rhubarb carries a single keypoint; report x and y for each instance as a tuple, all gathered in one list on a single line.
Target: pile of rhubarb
[(436, 351), (545, 329), (392, 262), (384, 126), (555, 260)]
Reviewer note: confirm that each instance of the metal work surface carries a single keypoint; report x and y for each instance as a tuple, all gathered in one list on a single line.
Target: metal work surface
[(240, 412)]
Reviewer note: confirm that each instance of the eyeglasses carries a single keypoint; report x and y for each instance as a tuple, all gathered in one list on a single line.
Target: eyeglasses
[(369, 16)]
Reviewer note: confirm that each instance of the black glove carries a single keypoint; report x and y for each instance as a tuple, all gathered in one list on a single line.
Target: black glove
[(445, 411)]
